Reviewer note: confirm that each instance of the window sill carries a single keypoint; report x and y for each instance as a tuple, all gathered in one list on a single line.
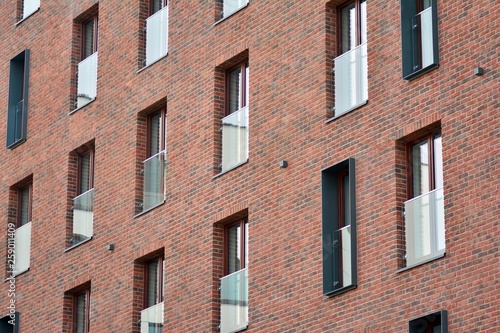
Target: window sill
[(25, 18), (420, 72), (15, 275), (340, 290), (15, 144), (228, 16), (230, 169), (84, 105), (77, 245), (238, 330), (149, 209), (421, 263), (346, 112), (151, 64)]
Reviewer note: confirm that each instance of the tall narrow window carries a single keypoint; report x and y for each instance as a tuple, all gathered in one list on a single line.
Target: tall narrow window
[(23, 230), (17, 119), (424, 211), (152, 315), (235, 123), (87, 68), (234, 285), (432, 323), (81, 308), (156, 31), (339, 228), (154, 165), (419, 34), (83, 203), (350, 66)]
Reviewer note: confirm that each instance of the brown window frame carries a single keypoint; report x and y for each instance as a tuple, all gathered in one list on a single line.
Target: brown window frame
[(163, 132), (85, 292), (429, 137), (242, 244), (164, 3), (244, 82), (160, 262), (95, 20), (357, 4), (91, 152), (29, 187)]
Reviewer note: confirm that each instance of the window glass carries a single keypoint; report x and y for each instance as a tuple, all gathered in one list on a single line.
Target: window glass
[(88, 43), (152, 283), (155, 137), (348, 19), (25, 206), (234, 255), (85, 161), (438, 162), (420, 168), (81, 308), (234, 90)]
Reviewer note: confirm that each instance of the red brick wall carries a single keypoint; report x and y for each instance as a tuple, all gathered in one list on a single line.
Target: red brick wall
[(290, 46)]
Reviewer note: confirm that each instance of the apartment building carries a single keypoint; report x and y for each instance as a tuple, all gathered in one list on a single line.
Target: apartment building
[(250, 165)]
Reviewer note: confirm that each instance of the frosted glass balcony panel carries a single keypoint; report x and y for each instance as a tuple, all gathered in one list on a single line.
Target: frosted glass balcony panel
[(351, 79), (230, 6), (29, 7), (19, 121), (87, 80), (154, 181), (152, 319), (83, 217), (234, 139), (22, 241), (157, 36), (234, 301), (342, 251), (424, 223)]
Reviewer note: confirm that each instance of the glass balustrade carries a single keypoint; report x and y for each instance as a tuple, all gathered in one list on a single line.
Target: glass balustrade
[(154, 181), (22, 240), (152, 319), (83, 217), (234, 301), (87, 80), (342, 252), (157, 36), (234, 139)]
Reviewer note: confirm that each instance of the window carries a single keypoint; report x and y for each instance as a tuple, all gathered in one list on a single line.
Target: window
[(83, 203), (433, 323), (22, 235), (234, 285), (17, 118), (350, 67), (81, 309), (424, 211), (235, 123), (232, 6), (156, 31), (152, 315), (153, 168), (339, 228), (419, 34), (10, 323), (87, 68), (29, 7)]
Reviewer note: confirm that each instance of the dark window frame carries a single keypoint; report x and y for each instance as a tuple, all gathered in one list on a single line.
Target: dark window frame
[(95, 20), (357, 4), (434, 319), (429, 137), (91, 152), (411, 39), (242, 87), (242, 244), (332, 216), (163, 132), (160, 272), (85, 292), (28, 187), (18, 98)]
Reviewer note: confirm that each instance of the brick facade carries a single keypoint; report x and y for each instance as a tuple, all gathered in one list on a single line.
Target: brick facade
[(290, 46)]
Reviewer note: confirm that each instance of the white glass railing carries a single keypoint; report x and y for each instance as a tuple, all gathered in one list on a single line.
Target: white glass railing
[(157, 36), (83, 217), (424, 224), (234, 301), (87, 80), (230, 6), (29, 7), (154, 181), (351, 79), (23, 248), (19, 121), (152, 319), (423, 36), (342, 251), (234, 139)]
